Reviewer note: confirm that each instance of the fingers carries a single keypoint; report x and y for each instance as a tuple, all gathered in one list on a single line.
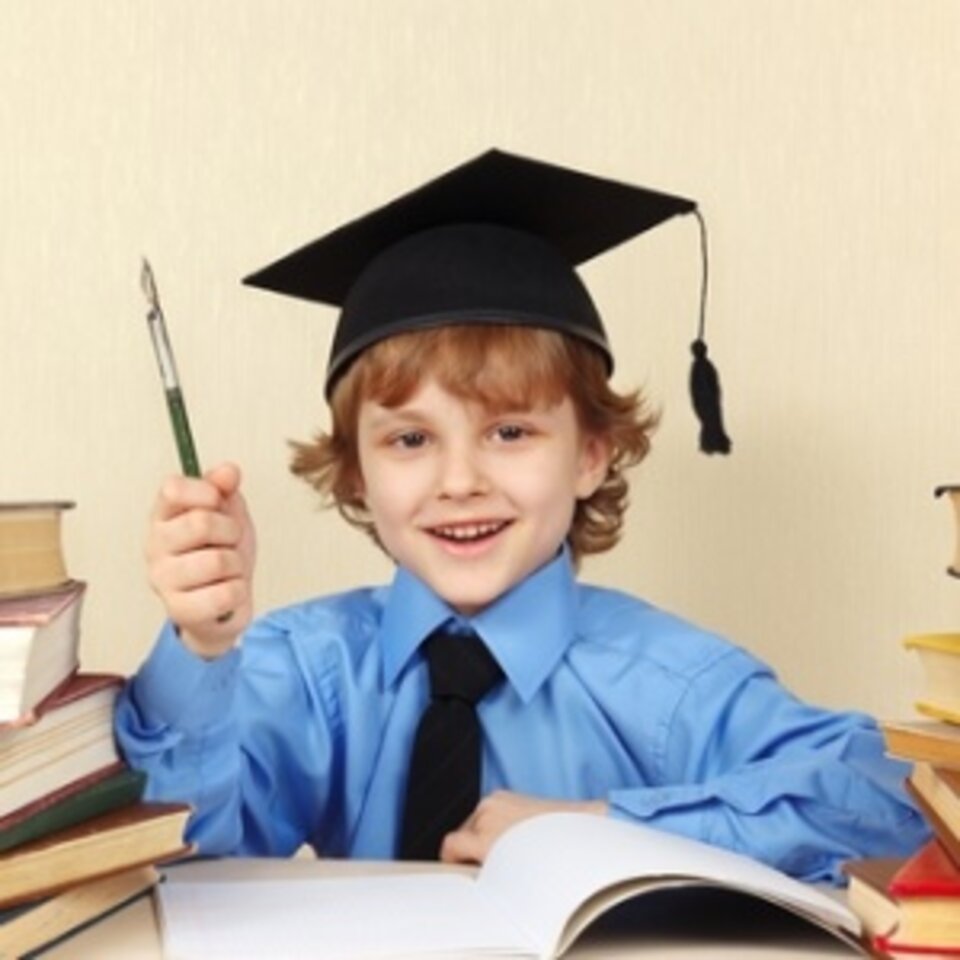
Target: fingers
[(472, 841), (192, 528), (464, 846), (203, 565), (180, 494)]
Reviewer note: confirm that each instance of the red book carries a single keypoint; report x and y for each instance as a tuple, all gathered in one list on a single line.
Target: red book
[(928, 873), (926, 890)]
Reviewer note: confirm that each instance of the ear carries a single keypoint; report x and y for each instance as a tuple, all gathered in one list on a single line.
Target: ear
[(595, 456)]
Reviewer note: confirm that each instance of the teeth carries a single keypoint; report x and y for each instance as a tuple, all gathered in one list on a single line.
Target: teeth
[(469, 531)]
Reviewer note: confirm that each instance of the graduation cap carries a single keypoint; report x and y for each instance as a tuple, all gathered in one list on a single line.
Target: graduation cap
[(496, 240)]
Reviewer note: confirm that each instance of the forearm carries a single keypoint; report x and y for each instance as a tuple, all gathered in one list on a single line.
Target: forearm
[(803, 818), (746, 765), (174, 721)]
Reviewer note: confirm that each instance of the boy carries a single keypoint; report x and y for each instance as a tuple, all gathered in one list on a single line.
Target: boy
[(475, 436)]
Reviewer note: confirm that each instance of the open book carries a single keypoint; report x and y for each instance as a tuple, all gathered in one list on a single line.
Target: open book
[(544, 882)]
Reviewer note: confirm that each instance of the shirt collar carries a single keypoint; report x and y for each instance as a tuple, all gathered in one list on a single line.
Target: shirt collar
[(528, 629)]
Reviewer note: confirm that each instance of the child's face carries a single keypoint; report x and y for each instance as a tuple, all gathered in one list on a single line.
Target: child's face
[(470, 501)]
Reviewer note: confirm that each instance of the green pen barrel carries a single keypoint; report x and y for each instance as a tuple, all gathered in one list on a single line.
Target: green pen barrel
[(182, 434)]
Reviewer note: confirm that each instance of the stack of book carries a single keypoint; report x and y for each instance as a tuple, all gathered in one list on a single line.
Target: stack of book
[(76, 838), (912, 907)]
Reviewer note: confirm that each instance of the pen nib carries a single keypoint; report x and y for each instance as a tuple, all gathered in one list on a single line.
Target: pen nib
[(148, 285)]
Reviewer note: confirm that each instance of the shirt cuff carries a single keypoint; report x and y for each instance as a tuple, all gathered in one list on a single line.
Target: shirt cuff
[(176, 688)]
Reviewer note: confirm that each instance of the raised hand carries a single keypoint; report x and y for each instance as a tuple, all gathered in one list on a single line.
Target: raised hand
[(200, 551)]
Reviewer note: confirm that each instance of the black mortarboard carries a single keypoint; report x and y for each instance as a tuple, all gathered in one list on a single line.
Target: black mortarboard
[(495, 240)]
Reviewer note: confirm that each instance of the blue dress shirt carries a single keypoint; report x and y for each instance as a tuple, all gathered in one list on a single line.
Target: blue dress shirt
[(303, 734)]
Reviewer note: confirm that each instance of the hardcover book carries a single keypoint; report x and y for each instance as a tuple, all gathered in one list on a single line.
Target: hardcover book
[(102, 791), (923, 740), (71, 739), (868, 893), (31, 552), (927, 889), (911, 905), (39, 637), (937, 793), (940, 659), (26, 929), (144, 833)]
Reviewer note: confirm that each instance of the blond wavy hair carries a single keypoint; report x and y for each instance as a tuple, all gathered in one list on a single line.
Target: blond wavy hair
[(504, 368)]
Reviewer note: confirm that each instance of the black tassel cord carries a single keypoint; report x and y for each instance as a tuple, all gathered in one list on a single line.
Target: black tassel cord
[(705, 389)]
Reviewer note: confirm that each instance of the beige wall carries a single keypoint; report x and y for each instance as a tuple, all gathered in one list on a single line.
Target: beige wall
[(820, 137)]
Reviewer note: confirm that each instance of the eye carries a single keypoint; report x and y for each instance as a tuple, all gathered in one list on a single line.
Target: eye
[(408, 440), (510, 432)]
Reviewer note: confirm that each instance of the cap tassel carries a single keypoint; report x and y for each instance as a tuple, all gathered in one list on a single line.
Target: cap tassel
[(705, 389), (705, 392)]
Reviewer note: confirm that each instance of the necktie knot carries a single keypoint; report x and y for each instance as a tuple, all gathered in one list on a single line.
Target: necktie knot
[(461, 667)]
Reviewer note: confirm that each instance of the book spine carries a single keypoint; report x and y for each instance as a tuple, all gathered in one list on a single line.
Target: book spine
[(948, 839)]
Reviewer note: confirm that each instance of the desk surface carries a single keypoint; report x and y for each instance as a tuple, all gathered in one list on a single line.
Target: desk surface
[(690, 925)]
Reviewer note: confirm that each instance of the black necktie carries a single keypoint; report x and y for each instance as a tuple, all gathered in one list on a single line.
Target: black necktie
[(444, 782)]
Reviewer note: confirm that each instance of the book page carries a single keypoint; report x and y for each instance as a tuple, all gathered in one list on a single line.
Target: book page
[(545, 868), (545, 879), (428, 915)]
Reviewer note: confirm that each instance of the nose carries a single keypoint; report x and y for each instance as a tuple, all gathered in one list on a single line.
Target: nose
[(461, 473)]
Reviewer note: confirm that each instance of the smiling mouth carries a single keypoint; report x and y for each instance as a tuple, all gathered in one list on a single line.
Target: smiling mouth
[(469, 532)]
